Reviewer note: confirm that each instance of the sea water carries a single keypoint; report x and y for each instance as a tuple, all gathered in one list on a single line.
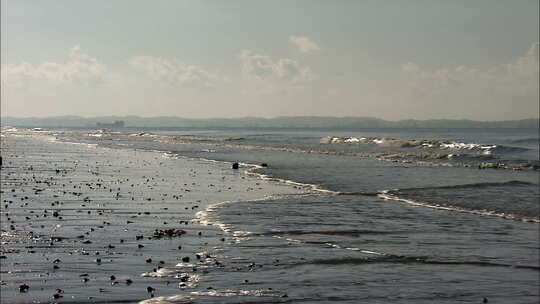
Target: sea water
[(384, 216)]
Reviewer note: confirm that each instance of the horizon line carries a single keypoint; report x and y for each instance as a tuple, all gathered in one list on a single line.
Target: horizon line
[(266, 118)]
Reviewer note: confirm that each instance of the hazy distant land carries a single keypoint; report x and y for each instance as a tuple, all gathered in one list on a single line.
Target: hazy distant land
[(256, 122)]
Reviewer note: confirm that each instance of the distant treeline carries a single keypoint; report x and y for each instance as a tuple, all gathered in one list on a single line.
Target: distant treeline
[(256, 122)]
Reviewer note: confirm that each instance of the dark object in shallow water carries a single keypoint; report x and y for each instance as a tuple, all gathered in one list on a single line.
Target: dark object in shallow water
[(23, 288), (235, 166), (264, 165)]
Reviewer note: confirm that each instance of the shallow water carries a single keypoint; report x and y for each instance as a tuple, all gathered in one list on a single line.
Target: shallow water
[(344, 222), (75, 215)]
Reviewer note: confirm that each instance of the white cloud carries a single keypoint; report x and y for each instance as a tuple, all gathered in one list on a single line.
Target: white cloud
[(261, 67), (78, 69), (304, 44), (505, 91), (519, 77), (174, 72), (525, 68)]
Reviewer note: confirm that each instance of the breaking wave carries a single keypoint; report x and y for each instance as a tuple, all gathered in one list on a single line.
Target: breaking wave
[(485, 149)]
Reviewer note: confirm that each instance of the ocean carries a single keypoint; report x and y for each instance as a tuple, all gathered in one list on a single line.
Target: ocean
[(311, 215)]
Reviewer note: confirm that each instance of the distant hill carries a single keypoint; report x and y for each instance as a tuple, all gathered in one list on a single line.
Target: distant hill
[(255, 122)]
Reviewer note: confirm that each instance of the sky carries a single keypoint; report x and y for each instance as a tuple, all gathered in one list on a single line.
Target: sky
[(393, 59)]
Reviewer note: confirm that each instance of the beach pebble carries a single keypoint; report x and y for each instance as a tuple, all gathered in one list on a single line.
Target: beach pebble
[(23, 288)]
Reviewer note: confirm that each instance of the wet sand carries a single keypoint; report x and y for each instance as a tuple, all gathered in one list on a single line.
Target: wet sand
[(81, 223)]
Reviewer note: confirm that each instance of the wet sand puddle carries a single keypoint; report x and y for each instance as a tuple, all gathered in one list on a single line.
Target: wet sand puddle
[(82, 223)]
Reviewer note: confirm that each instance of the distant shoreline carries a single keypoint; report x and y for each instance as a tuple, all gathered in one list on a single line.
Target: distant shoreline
[(291, 122)]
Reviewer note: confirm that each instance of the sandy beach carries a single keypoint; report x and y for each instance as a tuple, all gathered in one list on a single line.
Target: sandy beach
[(82, 223)]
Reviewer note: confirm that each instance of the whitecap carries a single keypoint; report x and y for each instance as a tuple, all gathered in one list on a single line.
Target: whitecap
[(160, 273), (168, 300)]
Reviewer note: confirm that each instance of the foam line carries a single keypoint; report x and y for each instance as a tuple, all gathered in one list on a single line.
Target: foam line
[(387, 196)]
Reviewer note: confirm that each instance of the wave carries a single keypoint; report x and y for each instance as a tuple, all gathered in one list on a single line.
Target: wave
[(530, 140), (482, 161), (313, 187), (374, 257), (433, 156), (483, 198), (474, 185), (320, 232), (509, 149), (387, 195), (401, 259), (405, 143), (485, 149), (463, 186), (8, 129), (177, 299), (233, 293)]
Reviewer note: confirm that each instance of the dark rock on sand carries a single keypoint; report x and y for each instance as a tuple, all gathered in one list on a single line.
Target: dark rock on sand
[(159, 233), (23, 288)]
